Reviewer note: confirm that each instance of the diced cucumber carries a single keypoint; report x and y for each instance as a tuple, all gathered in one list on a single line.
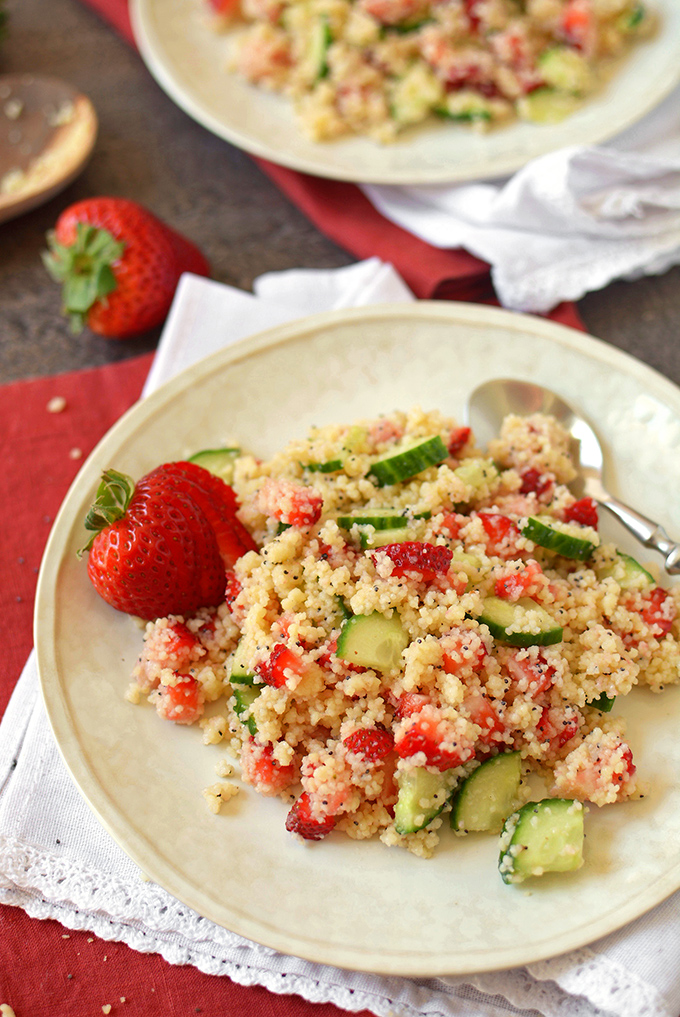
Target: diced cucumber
[(330, 466), (547, 106), (414, 95), (219, 461), (627, 572), (407, 460), (244, 697), (565, 69), (489, 795), (356, 440), (380, 518), (239, 672), (465, 106), (371, 538), (372, 640), (603, 703), (546, 534), (476, 473), (315, 59), (422, 796), (544, 836), (509, 622), (631, 20)]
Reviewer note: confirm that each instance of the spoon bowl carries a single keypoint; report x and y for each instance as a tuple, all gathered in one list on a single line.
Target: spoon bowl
[(47, 133), (493, 400)]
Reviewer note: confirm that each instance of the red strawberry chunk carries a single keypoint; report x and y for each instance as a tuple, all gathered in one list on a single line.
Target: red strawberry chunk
[(583, 511), (630, 766), (430, 560), (519, 582), (458, 439), (289, 502), (372, 743), (426, 732), (558, 726), (659, 611), (232, 588), (501, 533), (182, 702), (531, 675), (177, 646), (261, 769), (301, 820), (481, 712), (452, 523), (535, 482), (273, 669), (410, 703), (462, 649)]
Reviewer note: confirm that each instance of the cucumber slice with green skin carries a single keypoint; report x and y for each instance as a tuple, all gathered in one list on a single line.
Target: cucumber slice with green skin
[(219, 461), (408, 460), (507, 622), (371, 538), (244, 697), (240, 674), (422, 796), (331, 466), (564, 68), (380, 518), (372, 640), (489, 795), (627, 572), (603, 703), (552, 539), (544, 836)]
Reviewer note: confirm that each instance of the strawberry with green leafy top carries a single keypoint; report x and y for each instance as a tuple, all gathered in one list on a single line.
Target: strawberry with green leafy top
[(154, 549), (119, 266)]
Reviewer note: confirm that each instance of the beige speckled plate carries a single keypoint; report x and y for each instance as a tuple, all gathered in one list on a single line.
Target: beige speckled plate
[(188, 61), (340, 902)]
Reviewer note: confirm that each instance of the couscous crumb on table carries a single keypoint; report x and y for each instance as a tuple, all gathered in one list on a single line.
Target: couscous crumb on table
[(422, 626)]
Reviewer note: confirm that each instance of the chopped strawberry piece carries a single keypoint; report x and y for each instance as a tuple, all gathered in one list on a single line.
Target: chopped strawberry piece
[(501, 534), (458, 439), (301, 820), (281, 659), (430, 560), (289, 502), (659, 611), (232, 588), (577, 24), (452, 523), (410, 703), (630, 766), (371, 743), (535, 482), (558, 726), (179, 646), (481, 712), (583, 511), (472, 15), (426, 732), (519, 583), (462, 648), (531, 675), (182, 702), (261, 769)]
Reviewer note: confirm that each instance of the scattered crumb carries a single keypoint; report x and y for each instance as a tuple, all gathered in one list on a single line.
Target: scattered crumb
[(13, 109), (90, 939), (217, 794), (224, 768), (65, 935), (56, 404), (75, 453), (6, 1010), (122, 999), (106, 1008), (106, 957), (62, 116)]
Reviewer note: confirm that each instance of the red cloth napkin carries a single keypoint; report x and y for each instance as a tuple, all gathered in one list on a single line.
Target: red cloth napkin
[(344, 214)]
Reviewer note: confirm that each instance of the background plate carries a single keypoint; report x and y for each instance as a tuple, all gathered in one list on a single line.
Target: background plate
[(188, 62), (340, 902)]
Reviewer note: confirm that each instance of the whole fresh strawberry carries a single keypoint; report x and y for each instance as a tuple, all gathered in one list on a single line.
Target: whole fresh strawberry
[(158, 546), (119, 265)]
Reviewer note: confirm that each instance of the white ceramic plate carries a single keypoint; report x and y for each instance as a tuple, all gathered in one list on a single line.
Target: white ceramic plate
[(341, 902), (188, 62)]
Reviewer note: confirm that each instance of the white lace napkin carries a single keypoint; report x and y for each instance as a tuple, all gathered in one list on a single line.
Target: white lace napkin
[(56, 861), (567, 223)]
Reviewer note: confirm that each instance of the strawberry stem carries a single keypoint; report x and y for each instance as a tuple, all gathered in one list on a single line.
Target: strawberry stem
[(84, 268), (111, 502)]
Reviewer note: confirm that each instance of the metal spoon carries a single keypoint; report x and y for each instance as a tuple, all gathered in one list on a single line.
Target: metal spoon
[(47, 133), (493, 400)]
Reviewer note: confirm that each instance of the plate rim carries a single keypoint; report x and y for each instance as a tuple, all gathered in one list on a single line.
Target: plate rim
[(58, 710), (151, 51)]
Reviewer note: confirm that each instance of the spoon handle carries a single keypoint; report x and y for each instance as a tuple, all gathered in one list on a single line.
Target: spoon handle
[(649, 533)]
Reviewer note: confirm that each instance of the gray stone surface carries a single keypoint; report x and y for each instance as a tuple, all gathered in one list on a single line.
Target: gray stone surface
[(150, 151)]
